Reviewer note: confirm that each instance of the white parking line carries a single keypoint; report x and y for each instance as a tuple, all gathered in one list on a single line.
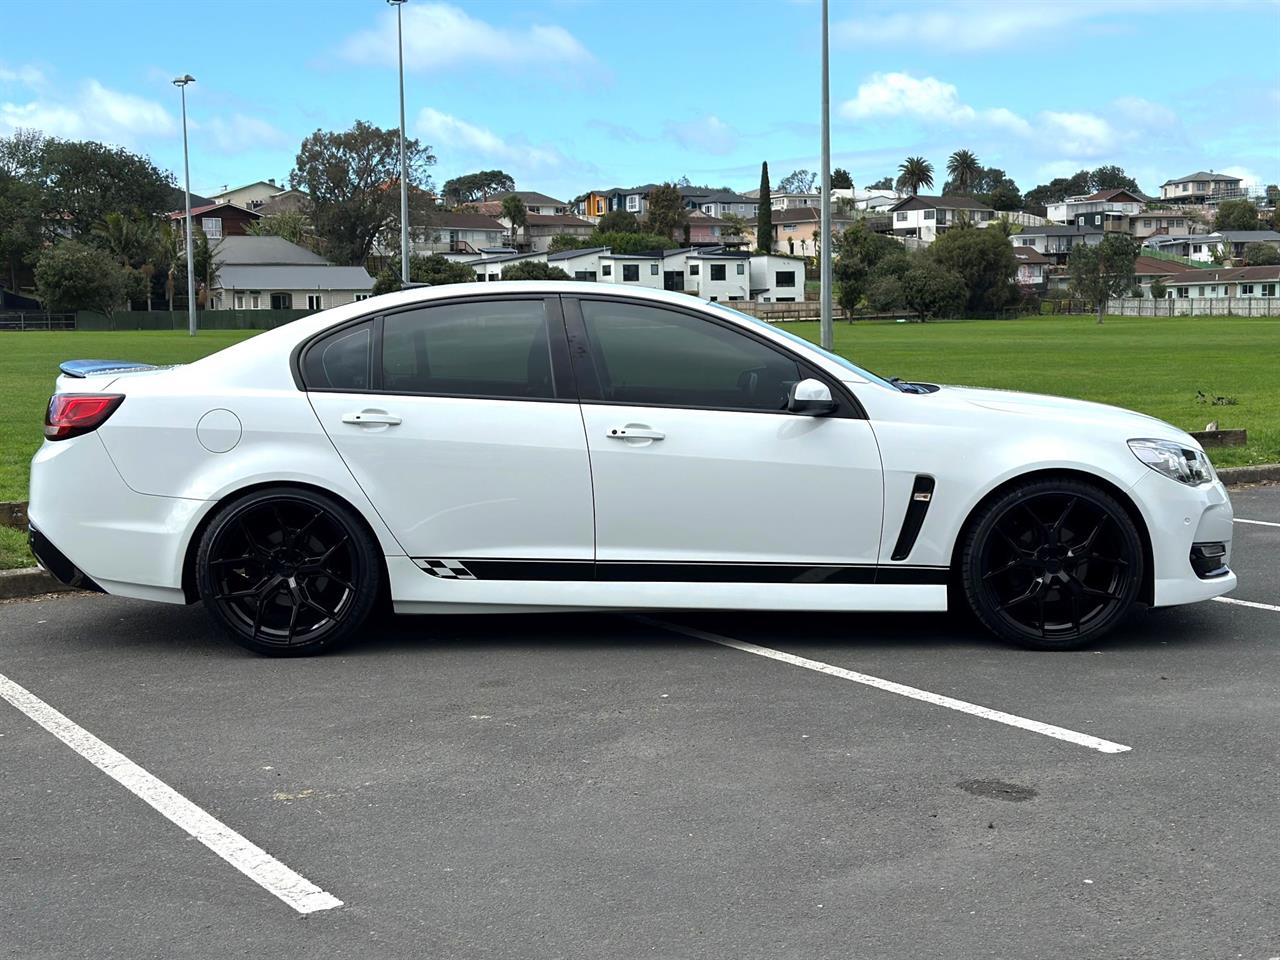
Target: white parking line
[(251, 860), (1248, 603), (1260, 523), (937, 699)]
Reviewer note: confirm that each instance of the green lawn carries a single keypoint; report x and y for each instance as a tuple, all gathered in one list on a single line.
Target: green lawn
[(1152, 365)]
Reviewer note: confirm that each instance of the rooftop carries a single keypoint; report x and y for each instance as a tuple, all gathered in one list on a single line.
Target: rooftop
[(1202, 175), (264, 251), (294, 277)]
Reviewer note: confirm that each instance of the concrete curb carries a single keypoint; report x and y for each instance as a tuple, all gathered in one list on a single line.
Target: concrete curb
[(1239, 476), (28, 582)]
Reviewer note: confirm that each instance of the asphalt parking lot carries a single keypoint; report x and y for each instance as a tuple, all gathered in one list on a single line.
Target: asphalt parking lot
[(613, 787)]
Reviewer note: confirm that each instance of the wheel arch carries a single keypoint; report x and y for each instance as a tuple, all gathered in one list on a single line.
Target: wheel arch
[(1146, 591), (189, 590)]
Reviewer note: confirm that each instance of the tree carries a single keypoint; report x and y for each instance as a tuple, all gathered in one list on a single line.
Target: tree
[(840, 179), (533, 270), (797, 181), (513, 209), (1005, 197), (618, 221), (1057, 190), (735, 225), (1102, 271), (434, 269), (1237, 215), (353, 179), (205, 265), (931, 291), (764, 214), (1158, 289), (964, 169), (857, 252), (75, 276), (1261, 255), (291, 225), (914, 173), (474, 187), (884, 183), (567, 241), (81, 181), (984, 260), (630, 242), (667, 216), (683, 182), (1111, 177), (1273, 194), (21, 224)]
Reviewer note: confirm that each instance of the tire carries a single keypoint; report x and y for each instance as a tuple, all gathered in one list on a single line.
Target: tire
[(1052, 564), (288, 571)]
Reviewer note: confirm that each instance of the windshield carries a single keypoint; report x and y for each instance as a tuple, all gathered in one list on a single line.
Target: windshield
[(862, 372)]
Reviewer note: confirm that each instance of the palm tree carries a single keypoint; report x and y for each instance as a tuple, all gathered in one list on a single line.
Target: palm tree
[(513, 209), (914, 173), (964, 169)]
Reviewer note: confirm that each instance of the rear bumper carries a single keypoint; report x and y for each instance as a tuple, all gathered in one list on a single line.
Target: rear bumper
[(56, 563)]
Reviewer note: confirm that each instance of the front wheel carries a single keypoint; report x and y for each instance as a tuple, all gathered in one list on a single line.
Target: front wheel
[(288, 571), (1052, 564)]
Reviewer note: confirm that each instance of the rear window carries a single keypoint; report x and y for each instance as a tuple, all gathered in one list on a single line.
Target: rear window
[(341, 361)]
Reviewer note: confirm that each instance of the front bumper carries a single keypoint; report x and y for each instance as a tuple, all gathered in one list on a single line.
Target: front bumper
[(1183, 521)]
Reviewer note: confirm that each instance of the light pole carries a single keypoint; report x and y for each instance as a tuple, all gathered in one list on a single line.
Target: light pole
[(181, 83), (404, 164), (828, 333)]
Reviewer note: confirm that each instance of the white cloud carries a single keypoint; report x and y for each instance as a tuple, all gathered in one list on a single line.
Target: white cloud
[(24, 74), (439, 35), (707, 134), (1079, 134), (443, 130), (239, 132), (894, 95), (98, 112), (1250, 178)]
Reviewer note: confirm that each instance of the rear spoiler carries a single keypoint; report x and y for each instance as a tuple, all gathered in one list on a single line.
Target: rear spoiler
[(91, 368)]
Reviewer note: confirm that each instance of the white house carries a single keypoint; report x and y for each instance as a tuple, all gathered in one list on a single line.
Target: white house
[(251, 195), (490, 266), (924, 217), (661, 270), (777, 278), (270, 273), (718, 274), (459, 233), (1202, 247), (580, 264), (1126, 202)]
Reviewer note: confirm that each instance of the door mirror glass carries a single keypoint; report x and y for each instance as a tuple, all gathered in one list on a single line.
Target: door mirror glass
[(810, 398)]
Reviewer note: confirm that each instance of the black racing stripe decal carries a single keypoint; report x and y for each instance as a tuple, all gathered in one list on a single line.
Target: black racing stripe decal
[(635, 571)]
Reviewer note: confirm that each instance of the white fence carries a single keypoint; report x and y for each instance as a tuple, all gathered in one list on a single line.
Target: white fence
[(1196, 307)]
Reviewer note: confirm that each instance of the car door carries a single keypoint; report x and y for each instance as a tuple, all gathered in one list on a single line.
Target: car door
[(698, 469), (460, 422)]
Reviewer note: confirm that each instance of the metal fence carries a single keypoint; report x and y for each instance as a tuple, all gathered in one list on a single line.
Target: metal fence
[(29, 320), (1196, 307)]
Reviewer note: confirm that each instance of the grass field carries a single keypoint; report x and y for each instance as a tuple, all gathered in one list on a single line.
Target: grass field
[(1152, 365)]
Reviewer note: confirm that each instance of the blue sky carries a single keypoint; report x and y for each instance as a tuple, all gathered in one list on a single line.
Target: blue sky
[(568, 95)]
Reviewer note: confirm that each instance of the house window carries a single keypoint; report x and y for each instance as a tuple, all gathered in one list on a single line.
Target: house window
[(1175, 223), (284, 301), (717, 271), (212, 227), (653, 269), (1197, 248), (1027, 242), (584, 275), (742, 269), (1246, 289), (1182, 292), (1268, 289), (359, 297), (784, 299), (315, 301), (735, 298), (901, 216), (1146, 223), (928, 214), (784, 278), (788, 227), (631, 273), (1199, 291), (633, 202), (693, 269), (239, 301), (255, 301), (606, 270), (495, 276), (706, 208)]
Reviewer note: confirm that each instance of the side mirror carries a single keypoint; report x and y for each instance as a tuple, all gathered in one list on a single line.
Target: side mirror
[(810, 398)]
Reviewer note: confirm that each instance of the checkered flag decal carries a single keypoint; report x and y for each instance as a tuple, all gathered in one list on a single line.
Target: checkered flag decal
[(447, 569)]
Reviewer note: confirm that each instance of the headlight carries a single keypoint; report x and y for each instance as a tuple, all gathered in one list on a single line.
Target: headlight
[(1174, 460)]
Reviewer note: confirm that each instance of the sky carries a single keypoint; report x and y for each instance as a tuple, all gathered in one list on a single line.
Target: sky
[(573, 95)]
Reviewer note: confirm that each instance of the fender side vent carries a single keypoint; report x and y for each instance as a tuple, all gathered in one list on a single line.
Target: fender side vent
[(921, 497)]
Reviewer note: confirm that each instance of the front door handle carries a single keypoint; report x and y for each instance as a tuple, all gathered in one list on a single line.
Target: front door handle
[(378, 417), (633, 431)]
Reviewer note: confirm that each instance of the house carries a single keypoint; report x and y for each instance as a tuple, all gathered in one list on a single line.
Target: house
[(705, 229), (541, 228), (1202, 187), (261, 273), (633, 200), (217, 220), (536, 203), (251, 195), (1244, 282), (718, 203), (788, 201), (457, 233), (581, 264), (1056, 240), (1127, 202), (924, 217), (719, 274), (1152, 223), (1203, 247), (796, 231), (659, 269), (286, 201), (777, 278), (1033, 268), (490, 266)]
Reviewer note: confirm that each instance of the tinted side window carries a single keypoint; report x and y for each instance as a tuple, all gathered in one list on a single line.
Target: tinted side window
[(651, 355), (499, 348), (341, 360)]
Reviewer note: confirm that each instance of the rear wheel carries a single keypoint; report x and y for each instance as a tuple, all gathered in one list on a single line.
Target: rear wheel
[(1052, 564), (288, 571)]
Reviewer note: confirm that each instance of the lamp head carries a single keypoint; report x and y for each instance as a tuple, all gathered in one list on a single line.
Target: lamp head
[(183, 80)]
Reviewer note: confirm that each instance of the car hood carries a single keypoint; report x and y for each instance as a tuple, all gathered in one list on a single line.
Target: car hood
[(1065, 409)]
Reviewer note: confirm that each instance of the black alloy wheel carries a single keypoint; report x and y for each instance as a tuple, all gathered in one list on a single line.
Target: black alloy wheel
[(1052, 565), (288, 571)]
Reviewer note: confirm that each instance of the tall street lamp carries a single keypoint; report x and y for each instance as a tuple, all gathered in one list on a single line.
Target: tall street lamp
[(826, 329), (181, 84), (404, 164)]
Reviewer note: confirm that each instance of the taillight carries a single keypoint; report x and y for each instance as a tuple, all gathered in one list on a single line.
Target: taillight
[(71, 414)]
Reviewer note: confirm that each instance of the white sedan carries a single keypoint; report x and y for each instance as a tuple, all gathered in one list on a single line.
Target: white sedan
[(552, 446)]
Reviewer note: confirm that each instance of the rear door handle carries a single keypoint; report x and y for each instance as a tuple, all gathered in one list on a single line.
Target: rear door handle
[(630, 432), (371, 417)]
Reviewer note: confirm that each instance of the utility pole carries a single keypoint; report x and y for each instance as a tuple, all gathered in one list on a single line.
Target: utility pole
[(828, 332), (404, 164), (181, 84)]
